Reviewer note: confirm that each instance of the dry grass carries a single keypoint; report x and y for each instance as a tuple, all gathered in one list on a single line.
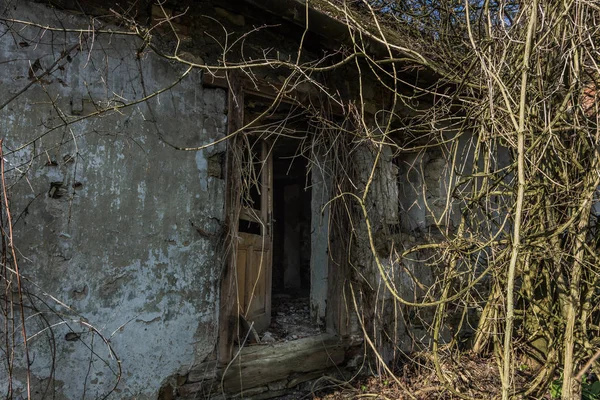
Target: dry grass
[(470, 376)]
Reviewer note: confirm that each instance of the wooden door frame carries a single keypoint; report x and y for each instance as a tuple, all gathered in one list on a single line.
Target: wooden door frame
[(336, 316), (228, 323), (254, 243), (228, 317)]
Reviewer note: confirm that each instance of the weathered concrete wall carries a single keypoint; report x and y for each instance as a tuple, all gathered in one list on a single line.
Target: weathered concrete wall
[(106, 211), (416, 198), (426, 180), (407, 205)]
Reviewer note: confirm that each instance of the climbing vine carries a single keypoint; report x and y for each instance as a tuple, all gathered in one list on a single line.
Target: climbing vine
[(480, 117)]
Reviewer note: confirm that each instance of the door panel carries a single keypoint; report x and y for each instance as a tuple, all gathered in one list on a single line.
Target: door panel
[(254, 257), (241, 261), (257, 293)]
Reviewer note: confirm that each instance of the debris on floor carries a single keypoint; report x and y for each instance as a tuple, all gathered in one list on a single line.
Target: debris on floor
[(290, 319)]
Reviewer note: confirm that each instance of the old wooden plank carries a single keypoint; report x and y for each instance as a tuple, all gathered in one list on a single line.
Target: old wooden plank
[(228, 320), (250, 353), (278, 362), (257, 87), (303, 94)]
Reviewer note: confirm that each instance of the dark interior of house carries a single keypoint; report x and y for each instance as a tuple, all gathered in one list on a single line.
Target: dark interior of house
[(291, 227), (291, 243)]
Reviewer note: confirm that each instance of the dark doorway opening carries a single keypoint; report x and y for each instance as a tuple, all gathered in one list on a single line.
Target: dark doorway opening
[(291, 316), (291, 241)]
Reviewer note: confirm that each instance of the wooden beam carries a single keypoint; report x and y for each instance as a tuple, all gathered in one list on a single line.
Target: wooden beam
[(259, 365), (228, 319), (263, 89), (254, 88)]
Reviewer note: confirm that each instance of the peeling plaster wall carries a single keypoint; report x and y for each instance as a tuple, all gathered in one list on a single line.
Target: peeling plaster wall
[(411, 201), (104, 211), (405, 206)]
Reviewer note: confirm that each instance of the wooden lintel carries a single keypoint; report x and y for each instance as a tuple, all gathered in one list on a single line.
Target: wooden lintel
[(253, 88), (266, 90)]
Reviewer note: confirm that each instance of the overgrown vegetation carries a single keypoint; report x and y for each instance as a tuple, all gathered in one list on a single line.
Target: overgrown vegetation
[(506, 92)]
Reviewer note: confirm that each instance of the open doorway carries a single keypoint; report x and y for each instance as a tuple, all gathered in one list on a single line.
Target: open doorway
[(309, 307), (280, 282), (291, 271), (275, 264)]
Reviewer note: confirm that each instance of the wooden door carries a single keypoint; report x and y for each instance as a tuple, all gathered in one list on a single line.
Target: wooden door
[(254, 245)]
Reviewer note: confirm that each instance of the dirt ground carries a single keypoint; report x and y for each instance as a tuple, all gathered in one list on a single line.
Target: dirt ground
[(468, 376)]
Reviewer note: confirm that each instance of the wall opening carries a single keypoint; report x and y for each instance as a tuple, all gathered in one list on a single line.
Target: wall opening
[(281, 271), (291, 286)]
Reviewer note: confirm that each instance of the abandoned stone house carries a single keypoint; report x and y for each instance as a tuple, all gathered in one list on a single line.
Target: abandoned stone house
[(157, 260)]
